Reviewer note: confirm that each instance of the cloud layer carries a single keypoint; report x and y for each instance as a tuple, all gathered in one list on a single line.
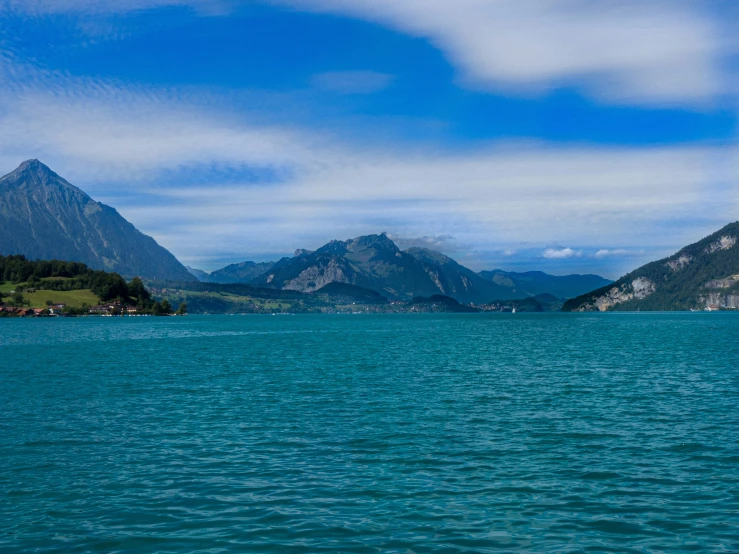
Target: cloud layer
[(663, 52), (656, 52), (142, 148), (135, 148)]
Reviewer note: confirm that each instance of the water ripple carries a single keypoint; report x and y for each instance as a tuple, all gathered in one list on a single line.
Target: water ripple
[(395, 433)]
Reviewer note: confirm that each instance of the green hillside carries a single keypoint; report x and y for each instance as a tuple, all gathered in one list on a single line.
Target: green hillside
[(701, 275), (35, 284)]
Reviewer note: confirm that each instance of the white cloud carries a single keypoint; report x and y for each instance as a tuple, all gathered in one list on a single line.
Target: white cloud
[(561, 253), (631, 51), (125, 146), (604, 252), (664, 52)]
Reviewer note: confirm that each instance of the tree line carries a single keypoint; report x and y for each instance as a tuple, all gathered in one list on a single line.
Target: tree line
[(63, 276)]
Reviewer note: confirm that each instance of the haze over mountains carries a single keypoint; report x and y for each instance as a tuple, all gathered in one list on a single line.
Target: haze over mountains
[(534, 283), (375, 262), (244, 272), (42, 216)]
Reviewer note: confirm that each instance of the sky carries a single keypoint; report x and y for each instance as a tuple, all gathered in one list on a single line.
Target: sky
[(577, 136)]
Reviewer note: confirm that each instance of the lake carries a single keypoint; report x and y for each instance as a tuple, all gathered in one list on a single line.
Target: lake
[(401, 433)]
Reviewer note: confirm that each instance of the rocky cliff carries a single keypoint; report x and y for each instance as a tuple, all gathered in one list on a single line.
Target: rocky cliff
[(698, 276)]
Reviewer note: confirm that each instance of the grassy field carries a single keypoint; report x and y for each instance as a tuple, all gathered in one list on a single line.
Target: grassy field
[(6, 287), (69, 297)]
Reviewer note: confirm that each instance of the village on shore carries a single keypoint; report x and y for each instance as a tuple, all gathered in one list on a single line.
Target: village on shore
[(112, 309)]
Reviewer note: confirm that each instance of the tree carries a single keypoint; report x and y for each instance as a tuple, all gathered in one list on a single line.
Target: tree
[(49, 302), (182, 310), (109, 286), (18, 299), (166, 307), (137, 289)]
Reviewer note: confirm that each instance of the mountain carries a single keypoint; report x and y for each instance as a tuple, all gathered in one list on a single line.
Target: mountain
[(199, 274), (42, 216), (374, 262), (531, 283), (457, 281), (244, 272), (702, 274)]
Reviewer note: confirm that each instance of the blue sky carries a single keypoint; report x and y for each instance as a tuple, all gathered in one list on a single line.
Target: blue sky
[(575, 136)]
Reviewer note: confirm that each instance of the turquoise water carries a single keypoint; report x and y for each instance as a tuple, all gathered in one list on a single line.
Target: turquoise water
[(389, 433)]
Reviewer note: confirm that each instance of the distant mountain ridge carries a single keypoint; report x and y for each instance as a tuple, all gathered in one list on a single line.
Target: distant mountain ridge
[(531, 283), (244, 272), (42, 216), (701, 275), (199, 274), (374, 262)]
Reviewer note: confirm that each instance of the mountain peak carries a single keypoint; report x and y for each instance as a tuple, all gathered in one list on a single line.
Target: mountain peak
[(381, 241), (27, 163), (334, 247), (34, 166), (33, 175)]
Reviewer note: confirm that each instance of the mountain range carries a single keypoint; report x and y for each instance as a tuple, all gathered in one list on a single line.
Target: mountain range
[(699, 276), (42, 216), (533, 283), (375, 262), (244, 272)]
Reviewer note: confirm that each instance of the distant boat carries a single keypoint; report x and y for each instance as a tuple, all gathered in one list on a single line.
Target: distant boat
[(513, 311)]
